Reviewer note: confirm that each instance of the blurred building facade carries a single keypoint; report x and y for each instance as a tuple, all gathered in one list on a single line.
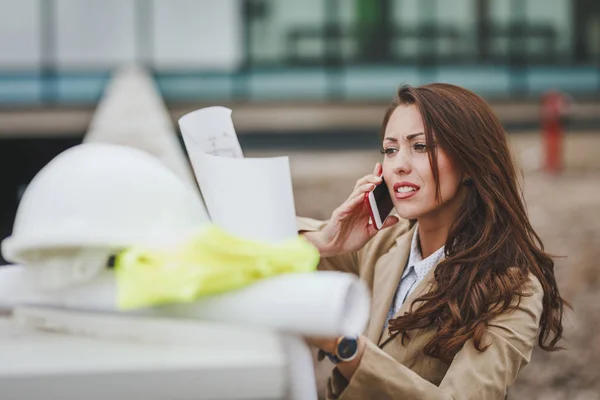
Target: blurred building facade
[(298, 74), (61, 51)]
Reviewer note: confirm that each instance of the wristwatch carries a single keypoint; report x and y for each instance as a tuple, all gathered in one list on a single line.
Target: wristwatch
[(346, 349)]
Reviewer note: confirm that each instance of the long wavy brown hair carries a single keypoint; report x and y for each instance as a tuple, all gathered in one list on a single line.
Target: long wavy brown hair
[(491, 247)]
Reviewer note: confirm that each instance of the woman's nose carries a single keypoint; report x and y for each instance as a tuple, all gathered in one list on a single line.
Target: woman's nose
[(401, 163)]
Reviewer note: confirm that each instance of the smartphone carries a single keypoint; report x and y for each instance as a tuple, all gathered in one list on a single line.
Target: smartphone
[(380, 204)]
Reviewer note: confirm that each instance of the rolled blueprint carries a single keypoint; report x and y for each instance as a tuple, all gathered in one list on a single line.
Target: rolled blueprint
[(312, 304), (318, 304), (303, 384)]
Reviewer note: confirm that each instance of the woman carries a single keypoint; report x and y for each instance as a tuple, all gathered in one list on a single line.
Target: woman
[(462, 288)]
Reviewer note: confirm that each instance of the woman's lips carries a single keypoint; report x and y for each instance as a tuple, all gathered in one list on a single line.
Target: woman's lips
[(405, 195)]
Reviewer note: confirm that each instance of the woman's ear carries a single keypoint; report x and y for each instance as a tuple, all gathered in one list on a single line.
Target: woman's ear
[(467, 181)]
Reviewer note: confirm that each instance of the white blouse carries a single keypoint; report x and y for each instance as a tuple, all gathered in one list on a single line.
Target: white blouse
[(414, 273)]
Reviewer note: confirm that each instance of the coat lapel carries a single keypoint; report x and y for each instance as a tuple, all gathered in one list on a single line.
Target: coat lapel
[(421, 289), (386, 278)]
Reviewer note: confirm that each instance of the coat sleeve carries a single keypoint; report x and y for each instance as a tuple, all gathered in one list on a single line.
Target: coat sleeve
[(471, 375), (363, 259)]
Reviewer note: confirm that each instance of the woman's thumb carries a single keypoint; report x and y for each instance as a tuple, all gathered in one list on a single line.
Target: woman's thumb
[(390, 221)]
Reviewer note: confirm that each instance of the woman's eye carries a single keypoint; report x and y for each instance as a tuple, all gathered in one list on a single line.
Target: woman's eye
[(420, 147), (388, 151)]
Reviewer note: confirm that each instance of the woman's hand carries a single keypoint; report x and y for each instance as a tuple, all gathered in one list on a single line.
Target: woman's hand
[(350, 226), (328, 344)]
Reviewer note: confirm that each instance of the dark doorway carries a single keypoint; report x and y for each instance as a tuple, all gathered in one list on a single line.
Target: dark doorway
[(586, 25)]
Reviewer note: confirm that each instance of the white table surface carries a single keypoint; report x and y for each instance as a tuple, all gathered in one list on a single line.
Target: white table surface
[(52, 354)]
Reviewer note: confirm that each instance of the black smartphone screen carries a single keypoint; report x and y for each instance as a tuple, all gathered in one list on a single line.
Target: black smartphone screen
[(383, 200)]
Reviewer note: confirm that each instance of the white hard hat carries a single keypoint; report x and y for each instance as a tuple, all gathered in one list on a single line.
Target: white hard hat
[(96, 198)]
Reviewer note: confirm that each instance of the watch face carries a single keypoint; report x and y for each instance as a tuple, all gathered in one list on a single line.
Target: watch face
[(347, 348)]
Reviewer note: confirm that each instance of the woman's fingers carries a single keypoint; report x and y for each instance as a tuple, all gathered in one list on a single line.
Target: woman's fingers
[(351, 204), (377, 170), (365, 188), (367, 179), (356, 200), (364, 185)]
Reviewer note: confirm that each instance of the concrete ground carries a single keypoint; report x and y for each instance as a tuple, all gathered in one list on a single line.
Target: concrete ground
[(565, 211)]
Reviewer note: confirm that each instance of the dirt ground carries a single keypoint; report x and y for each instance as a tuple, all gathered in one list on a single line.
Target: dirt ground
[(564, 209)]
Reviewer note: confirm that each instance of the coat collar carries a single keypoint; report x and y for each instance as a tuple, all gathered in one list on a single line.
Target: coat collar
[(387, 274), (420, 289)]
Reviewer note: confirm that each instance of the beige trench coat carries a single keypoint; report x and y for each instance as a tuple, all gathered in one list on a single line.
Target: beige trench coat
[(391, 370)]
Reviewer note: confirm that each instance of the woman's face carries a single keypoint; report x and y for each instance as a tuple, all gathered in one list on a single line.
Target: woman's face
[(407, 172)]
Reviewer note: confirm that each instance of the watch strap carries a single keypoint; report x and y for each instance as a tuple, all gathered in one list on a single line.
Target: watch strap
[(332, 357)]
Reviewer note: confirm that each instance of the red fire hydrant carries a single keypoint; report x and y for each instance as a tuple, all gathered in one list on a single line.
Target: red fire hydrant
[(554, 109)]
